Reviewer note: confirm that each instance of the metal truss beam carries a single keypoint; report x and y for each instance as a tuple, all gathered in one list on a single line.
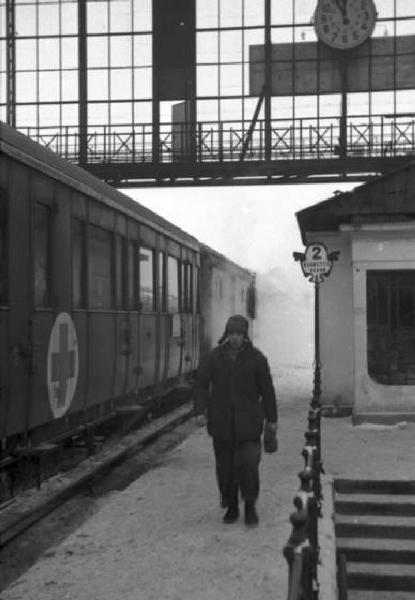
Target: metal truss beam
[(248, 173)]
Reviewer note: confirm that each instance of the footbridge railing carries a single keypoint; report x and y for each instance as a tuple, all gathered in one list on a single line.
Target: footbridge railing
[(231, 140)]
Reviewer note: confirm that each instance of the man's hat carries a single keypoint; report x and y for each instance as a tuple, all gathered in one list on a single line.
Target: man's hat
[(237, 324)]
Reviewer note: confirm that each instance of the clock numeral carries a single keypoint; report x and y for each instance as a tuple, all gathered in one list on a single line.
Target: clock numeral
[(355, 35)]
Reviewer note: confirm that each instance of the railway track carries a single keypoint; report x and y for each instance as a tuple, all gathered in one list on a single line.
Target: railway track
[(29, 508)]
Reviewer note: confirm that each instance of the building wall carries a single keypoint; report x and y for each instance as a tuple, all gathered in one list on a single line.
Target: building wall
[(346, 383)]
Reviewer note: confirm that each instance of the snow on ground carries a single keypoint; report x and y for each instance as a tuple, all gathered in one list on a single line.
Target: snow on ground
[(162, 538)]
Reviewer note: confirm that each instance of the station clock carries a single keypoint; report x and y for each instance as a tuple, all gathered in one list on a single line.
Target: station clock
[(344, 24)]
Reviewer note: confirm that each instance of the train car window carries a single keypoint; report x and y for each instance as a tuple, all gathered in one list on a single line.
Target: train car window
[(42, 256), (189, 288), (131, 275), (78, 263), (218, 287), (183, 288), (3, 250), (251, 301), (390, 307), (120, 270), (146, 278), (100, 268), (197, 296), (162, 282), (173, 285)]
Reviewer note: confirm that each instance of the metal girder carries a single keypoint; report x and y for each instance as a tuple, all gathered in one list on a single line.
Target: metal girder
[(355, 169)]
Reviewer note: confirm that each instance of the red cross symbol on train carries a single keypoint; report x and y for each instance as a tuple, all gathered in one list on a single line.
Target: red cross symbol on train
[(63, 366)]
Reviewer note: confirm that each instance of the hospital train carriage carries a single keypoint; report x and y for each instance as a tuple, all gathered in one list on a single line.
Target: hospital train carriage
[(102, 302)]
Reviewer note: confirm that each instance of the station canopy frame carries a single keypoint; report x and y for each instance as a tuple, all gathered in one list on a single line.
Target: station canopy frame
[(225, 92)]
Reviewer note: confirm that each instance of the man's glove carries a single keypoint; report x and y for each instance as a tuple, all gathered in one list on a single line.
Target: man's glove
[(270, 438), (201, 420)]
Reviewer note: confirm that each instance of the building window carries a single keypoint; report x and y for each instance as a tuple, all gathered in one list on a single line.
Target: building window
[(100, 268), (390, 326), (146, 276), (42, 256), (173, 285)]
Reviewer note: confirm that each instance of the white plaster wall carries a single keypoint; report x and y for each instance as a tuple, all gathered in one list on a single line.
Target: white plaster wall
[(336, 324), (388, 248)]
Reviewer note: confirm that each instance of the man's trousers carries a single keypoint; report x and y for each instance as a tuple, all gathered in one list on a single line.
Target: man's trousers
[(237, 468)]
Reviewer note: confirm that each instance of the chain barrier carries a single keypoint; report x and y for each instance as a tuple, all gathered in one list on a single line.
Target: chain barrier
[(302, 548)]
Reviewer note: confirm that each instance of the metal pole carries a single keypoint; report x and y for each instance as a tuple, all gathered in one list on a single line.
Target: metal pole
[(268, 80), (11, 64), (83, 82), (343, 116), (317, 365)]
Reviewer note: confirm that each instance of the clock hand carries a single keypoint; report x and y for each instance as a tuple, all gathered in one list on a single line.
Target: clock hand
[(341, 7), (344, 12)]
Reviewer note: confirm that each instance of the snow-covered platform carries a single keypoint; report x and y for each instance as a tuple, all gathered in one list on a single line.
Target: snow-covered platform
[(162, 538)]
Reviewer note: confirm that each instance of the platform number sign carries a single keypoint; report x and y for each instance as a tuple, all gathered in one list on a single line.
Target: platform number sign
[(62, 365), (316, 262)]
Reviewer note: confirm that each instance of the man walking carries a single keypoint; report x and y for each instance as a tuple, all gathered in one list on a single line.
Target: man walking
[(234, 388)]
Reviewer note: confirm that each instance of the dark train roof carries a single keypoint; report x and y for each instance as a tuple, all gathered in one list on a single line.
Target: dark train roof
[(390, 197), (220, 258), (42, 159)]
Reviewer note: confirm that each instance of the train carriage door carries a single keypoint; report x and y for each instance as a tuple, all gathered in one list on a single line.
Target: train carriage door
[(29, 285), (5, 372), (147, 307), (131, 331), (196, 317), (173, 308), (187, 317), (54, 338), (163, 327), (16, 365)]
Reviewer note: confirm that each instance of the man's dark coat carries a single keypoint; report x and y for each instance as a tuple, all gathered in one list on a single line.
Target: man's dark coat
[(238, 393)]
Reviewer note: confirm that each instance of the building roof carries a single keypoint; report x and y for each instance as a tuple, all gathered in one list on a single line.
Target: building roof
[(390, 197)]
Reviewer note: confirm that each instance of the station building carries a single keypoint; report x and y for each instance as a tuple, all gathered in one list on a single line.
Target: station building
[(367, 304)]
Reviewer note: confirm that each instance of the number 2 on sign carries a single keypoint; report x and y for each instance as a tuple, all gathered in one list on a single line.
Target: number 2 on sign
[(316, 250)]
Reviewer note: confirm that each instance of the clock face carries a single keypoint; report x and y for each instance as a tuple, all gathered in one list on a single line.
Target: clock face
[(344, 24)]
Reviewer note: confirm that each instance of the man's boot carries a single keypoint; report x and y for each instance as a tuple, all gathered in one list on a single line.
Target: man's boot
[(231, 514), (251, 516)]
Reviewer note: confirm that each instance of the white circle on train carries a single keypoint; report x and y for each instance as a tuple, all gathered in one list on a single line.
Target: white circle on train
[(62, 367)]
